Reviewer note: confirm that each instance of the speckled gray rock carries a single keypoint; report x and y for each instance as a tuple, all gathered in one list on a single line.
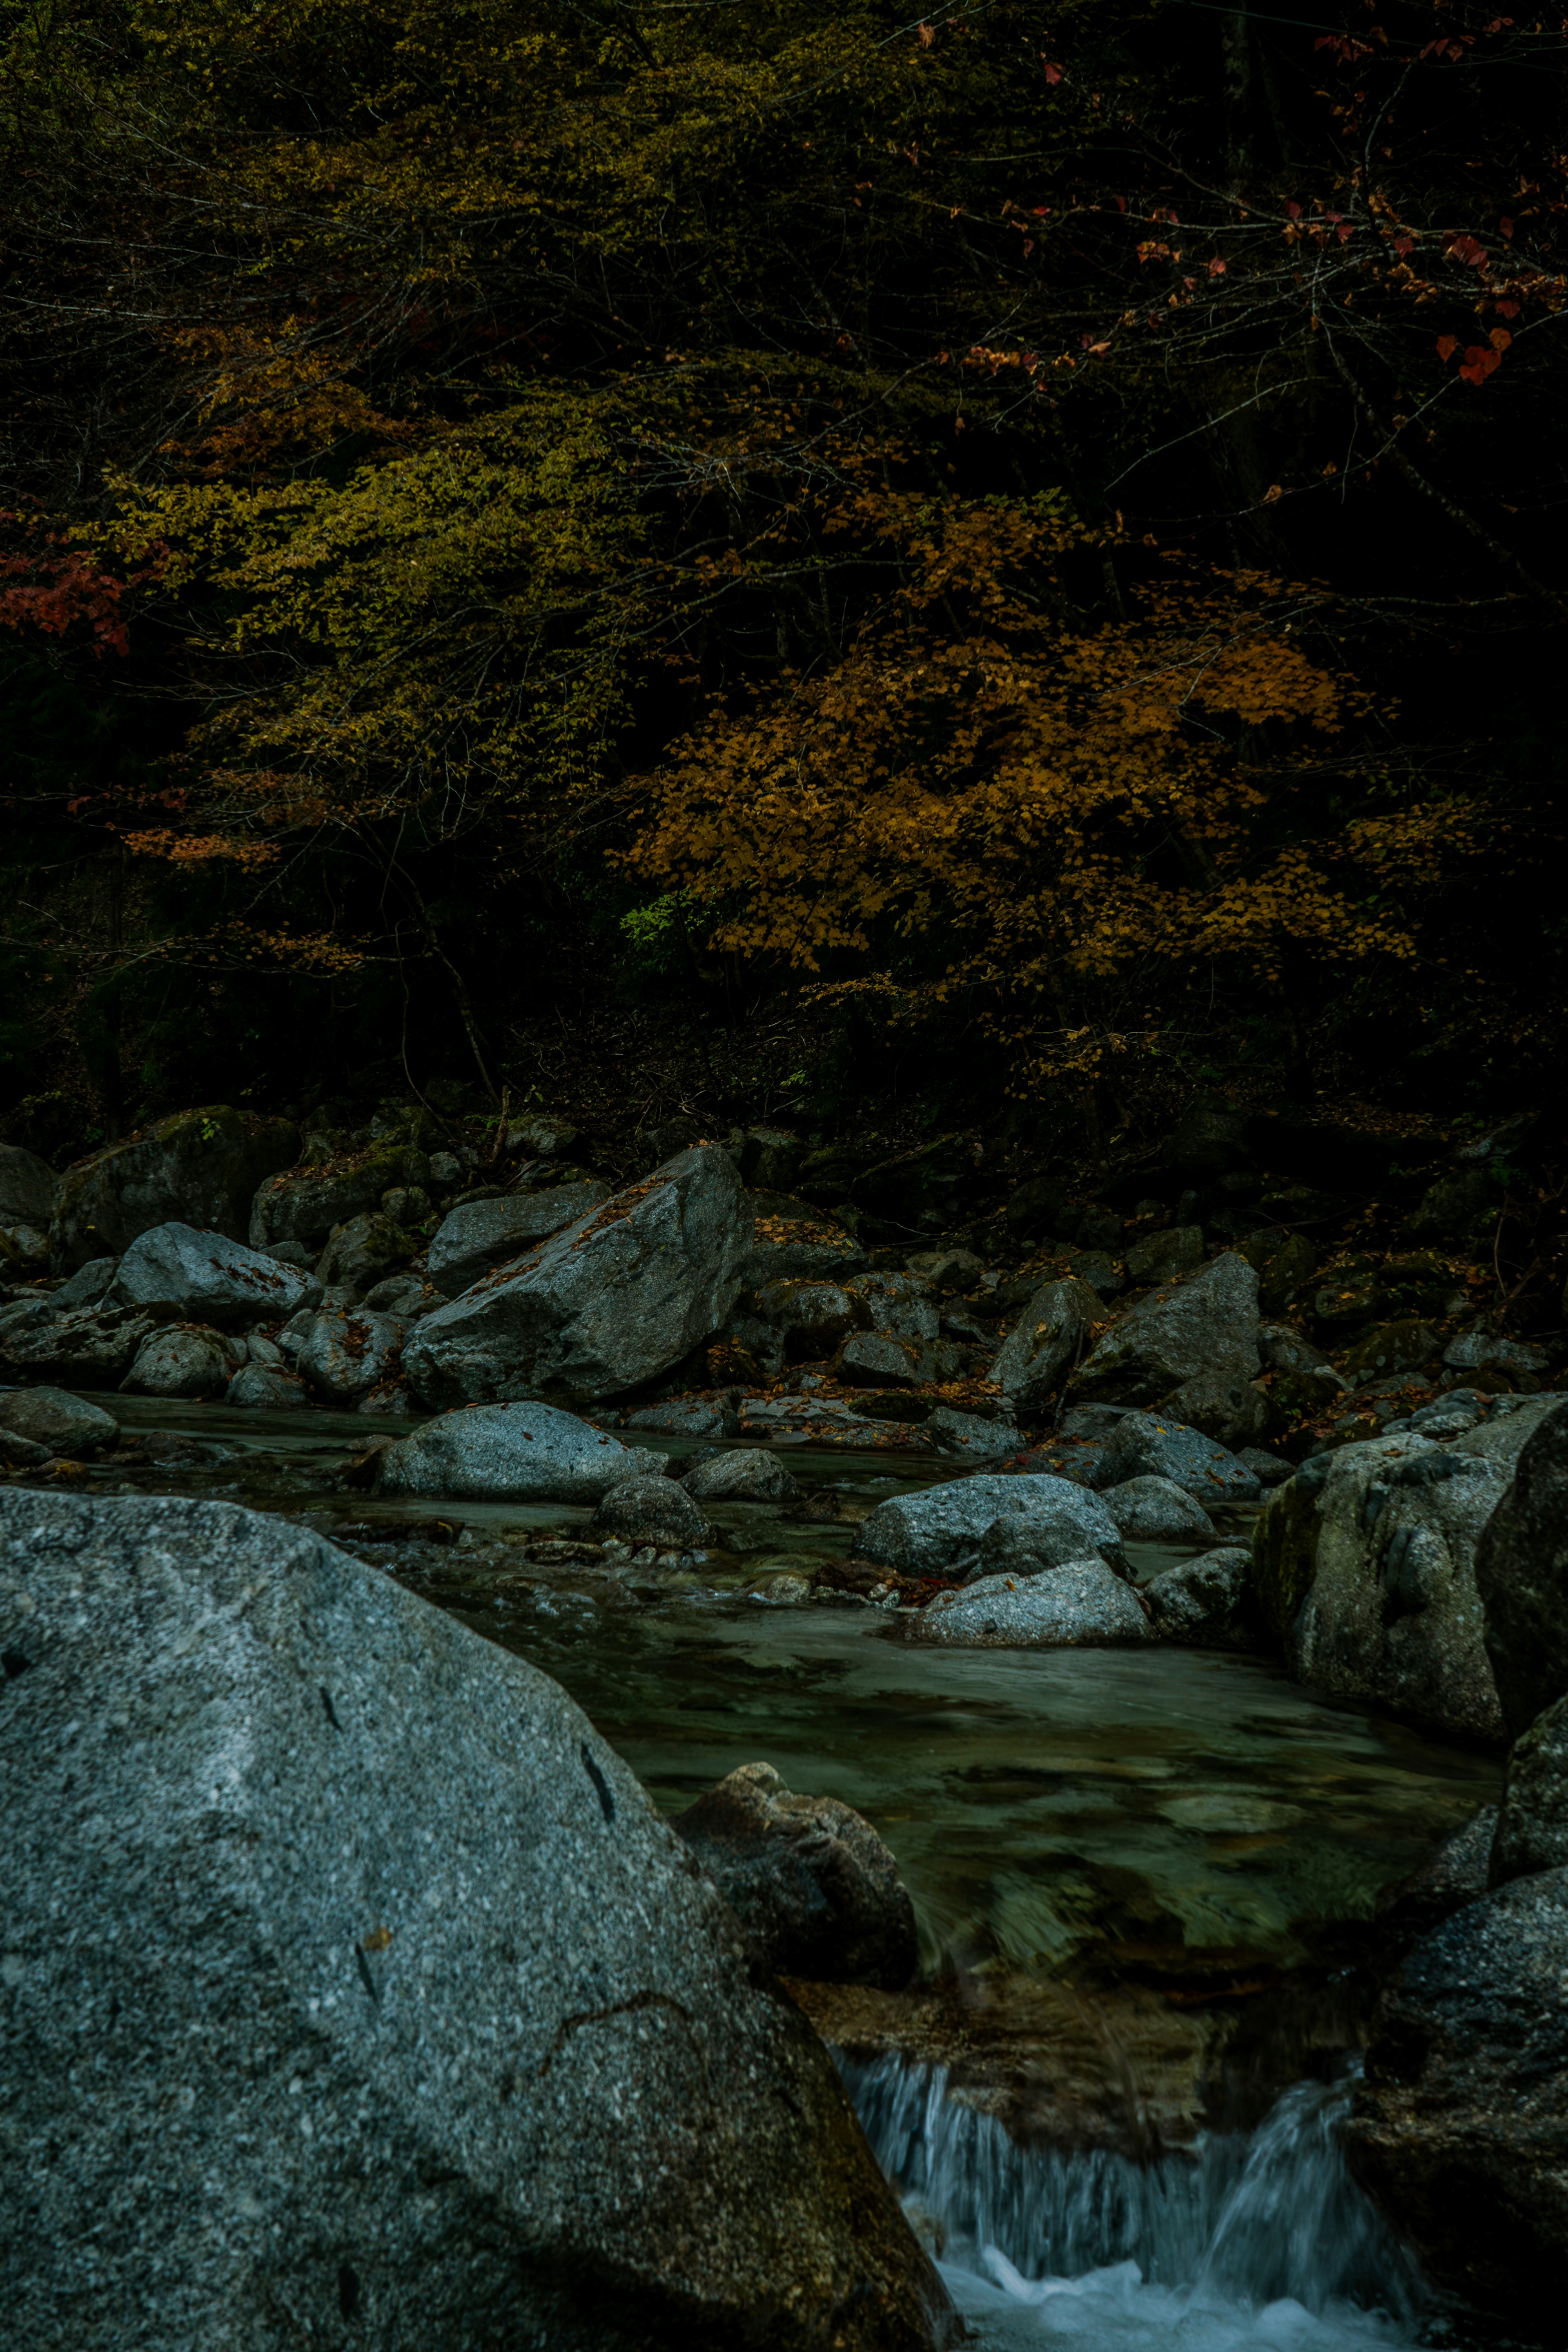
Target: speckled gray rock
[(970, 1436), (343, 1351), (1044, 1343), (792, 1238), (205, 1277), (938, 1532), (27, 1187), (259, 1388), (404, 2019), (1146, 1445), (1453, 1875), (744, 1474), (1207, 1601), (1156, 1510), (881, 1359), (482, 1234), (53, 1417), (200, 1167), (812, 1319), (901, 1303), (1160, 1256), (86, 1285), (302, 1206), (183, 1359), (1080, 1604), (1532, 1819), (1205, 1325), (651, 1511), (1047, 1538), (94, 1349), (610, 1302), (366, 1251), (512, 1453), (1461, 2125), (1521, 1572), (813, 1885), (686, 1417)]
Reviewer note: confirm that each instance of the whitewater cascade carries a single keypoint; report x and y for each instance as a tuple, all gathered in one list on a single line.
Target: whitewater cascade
[(1249, 2239)]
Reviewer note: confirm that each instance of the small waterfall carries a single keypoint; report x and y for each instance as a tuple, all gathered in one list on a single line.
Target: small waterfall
[(1259, 2238)]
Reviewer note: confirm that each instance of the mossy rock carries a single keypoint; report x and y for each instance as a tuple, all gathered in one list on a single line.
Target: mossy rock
[(1398, 1347), (305, 1204), (198, 1168), (1285, 1548)]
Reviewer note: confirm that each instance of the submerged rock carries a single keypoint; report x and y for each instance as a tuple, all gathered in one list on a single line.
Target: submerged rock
[(482, 1234), (1081, 1603), (1156, 1510), (938, 1531), (813, 1885), (199, 1167), (205, 1277), (608, 1304), (56, 1419), (1204, 1328), (512, 1453), (415, 2024), (1461, 2125)]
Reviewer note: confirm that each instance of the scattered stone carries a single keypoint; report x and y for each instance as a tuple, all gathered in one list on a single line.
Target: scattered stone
[(1392, 1348), (687, 1417), (937, 1532), (56, 1420), (342, 1354), (482, 1234), (901, 1303), (1156, 1510), (1532, 1824), (1082, 1603), (946, 1272), (745, 1473), (205, 1277), (304, 1206), (1268, 1469), (1224, 1407), (1161, 1256), (390, 1943), (1144, 1445), (1460, 2125), (1481, 1351), (1207, 1602), (1094, 1423), (93, 1349), (1045, 1342), (651, 1511), (1522, 1575), (606, 1305), (970, 1435), (28, 1187), (364, 1252), (86, 1285), (512, 1453), (1204, 1326), (258, 1387), (199, 1167), (400, 1294), (24, 1251), (813, 1885), (20, 1452), (183, 1359), (812, 1318), (876, 1359), (794, 1241)]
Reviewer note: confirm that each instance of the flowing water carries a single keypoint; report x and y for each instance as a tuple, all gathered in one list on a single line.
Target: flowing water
[(1141, 1878)]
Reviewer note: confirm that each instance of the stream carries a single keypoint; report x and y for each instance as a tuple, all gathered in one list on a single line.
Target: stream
[(1145, 1883)]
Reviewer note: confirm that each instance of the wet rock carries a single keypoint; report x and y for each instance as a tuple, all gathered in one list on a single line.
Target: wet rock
[(1461, 2125), (93, 1349), (746, 1473), (811, 1317), (938, 1531), (687, 1417), (1146, 1445), (512, 1453), (878, 1359), (605, 1305), (399, 1294), (1045, 1342), (970, 1436), (56, 1420), (258, 1388), (482, 1234), (1532, 1822), (28, 1186), (1207, 1602), (1521, 1574), (1452, 1877), (794, 1241), (86, 1285), (303, 1206), (1398, 1347), (392, 1944), (1204, 1326), (1081, 1603), (1026, 1546), (342, 1354), (205, 1277), (182, 1360), (813, 1885), (1161, 1256), (366, 1251), (199, 1167), (1226, 1408), (1156, 1510), (640, 1510)]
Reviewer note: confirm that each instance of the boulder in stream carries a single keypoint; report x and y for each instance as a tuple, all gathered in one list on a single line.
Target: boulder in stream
[(1079, 1604), (608, 1304), (512, 1454), (1148, 1445), (1156, 1510), (406, 2019), (742, 1474), (1207, 1602), (1204, 1327), (53, 1418), (938, 1531), (651, 1511), (183, 1359), (813, 1885), (343, 1351), (205, 1277), (93, 1349)]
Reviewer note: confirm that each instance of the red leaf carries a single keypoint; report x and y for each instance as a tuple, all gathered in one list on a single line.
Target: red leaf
[(1053, 72), (1508, 310), (1469, 250), (1447, 346), (1404, 245), (1292, 210)]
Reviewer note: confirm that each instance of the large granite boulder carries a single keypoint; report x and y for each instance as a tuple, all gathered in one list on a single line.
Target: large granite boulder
[(938, 1531), (199, 1167), (1044, 1343), (183, 1359), (608, 1303), (304, 1205), (1147, 1445), (1365, 1568), (1521, 1574), (342, 1352), (28, 1186), (205, 1277), (1081, 1604), (1461, 2125), (476, 1238), (813, 1885), (353, 1992), (512, 1454), (1206, 1326)]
